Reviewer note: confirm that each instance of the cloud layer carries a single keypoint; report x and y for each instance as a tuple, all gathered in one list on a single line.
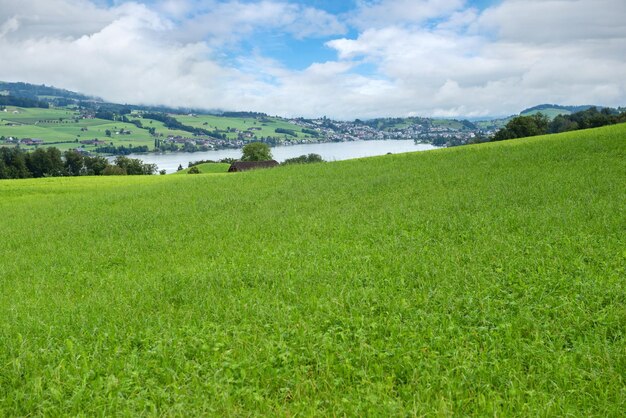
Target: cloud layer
[(392, 57)]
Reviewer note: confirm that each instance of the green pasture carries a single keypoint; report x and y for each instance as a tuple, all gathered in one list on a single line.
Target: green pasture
[(268, 127), (45, 124), (161, 128), (208, 168), (493, 124), (484, 280), (58, 125), (550, 113), (33, 115)]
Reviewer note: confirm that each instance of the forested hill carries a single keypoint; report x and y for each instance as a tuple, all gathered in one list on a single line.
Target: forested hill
[(61, 97), (36, 92), (564, 109)]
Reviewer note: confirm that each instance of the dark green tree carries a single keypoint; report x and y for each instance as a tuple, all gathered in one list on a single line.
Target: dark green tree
[(38, 162), (563, 124), (56, 162), (304, 159), (113, 170), (134, 166), (15, 163), (74, 163), (256, 151), (45, 162), (523, 126), (95, 166)]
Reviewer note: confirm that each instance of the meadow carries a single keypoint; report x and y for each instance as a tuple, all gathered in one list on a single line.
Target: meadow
[(478, 280), (58, 125), (45, 124), (264, 127)]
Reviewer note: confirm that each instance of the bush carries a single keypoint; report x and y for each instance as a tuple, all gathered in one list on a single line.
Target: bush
[(523, 126), (113, 170), (193, 170), (304, 159)]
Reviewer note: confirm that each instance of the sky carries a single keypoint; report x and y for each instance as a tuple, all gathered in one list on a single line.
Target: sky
[(341, 59)]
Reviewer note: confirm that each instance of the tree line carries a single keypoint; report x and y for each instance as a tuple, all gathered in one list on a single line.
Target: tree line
[(16, 163), (22, 102), (539, 124), (304, 159), (284, 131), (121, 149)]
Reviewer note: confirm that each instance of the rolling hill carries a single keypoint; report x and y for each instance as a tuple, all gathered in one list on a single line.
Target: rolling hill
[(478, 280), (553, 110), (70, 128), (549, 110)]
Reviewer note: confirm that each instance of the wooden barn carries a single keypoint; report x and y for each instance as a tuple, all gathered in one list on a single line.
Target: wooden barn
[(238, 166)]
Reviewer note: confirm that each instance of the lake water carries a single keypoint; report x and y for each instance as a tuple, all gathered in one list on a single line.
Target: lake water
[(330, 151)]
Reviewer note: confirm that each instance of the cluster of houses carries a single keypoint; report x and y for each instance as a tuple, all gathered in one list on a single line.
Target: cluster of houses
[(36, 141), (31, 141), (353, 131), (208, 142)]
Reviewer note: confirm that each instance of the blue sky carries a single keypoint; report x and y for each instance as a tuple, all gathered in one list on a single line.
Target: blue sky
[(345, 59)]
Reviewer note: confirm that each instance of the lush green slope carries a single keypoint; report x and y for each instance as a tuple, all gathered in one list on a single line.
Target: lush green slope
[(480, 280), (259, 127), (549, 113), (57, 125), (59, 128)]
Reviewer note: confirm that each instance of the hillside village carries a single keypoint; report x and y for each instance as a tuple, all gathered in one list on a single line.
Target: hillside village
[(93, 134)]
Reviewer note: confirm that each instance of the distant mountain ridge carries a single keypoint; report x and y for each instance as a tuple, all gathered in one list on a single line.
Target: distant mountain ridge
[(570, 109)]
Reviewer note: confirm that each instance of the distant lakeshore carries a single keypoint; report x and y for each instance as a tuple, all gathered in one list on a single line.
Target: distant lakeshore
[(329, 151)]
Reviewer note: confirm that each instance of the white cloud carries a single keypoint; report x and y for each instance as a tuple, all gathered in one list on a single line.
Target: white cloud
[(228, 22), (9, 26), (556, 21), (176, 8), (54, 18), (380, 13), (401, 62), (515, 55)]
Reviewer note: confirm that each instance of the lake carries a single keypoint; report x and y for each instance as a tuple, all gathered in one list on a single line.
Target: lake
[(330, 151)]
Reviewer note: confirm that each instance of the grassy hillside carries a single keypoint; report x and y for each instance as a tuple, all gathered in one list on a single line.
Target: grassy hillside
[(550, 113), (58, 127), (479, 280), (260, 127)]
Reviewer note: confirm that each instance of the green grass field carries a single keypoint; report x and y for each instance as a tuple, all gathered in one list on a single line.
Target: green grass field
[(484, 280), (267, 128), (45, 124), (550, 113)]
